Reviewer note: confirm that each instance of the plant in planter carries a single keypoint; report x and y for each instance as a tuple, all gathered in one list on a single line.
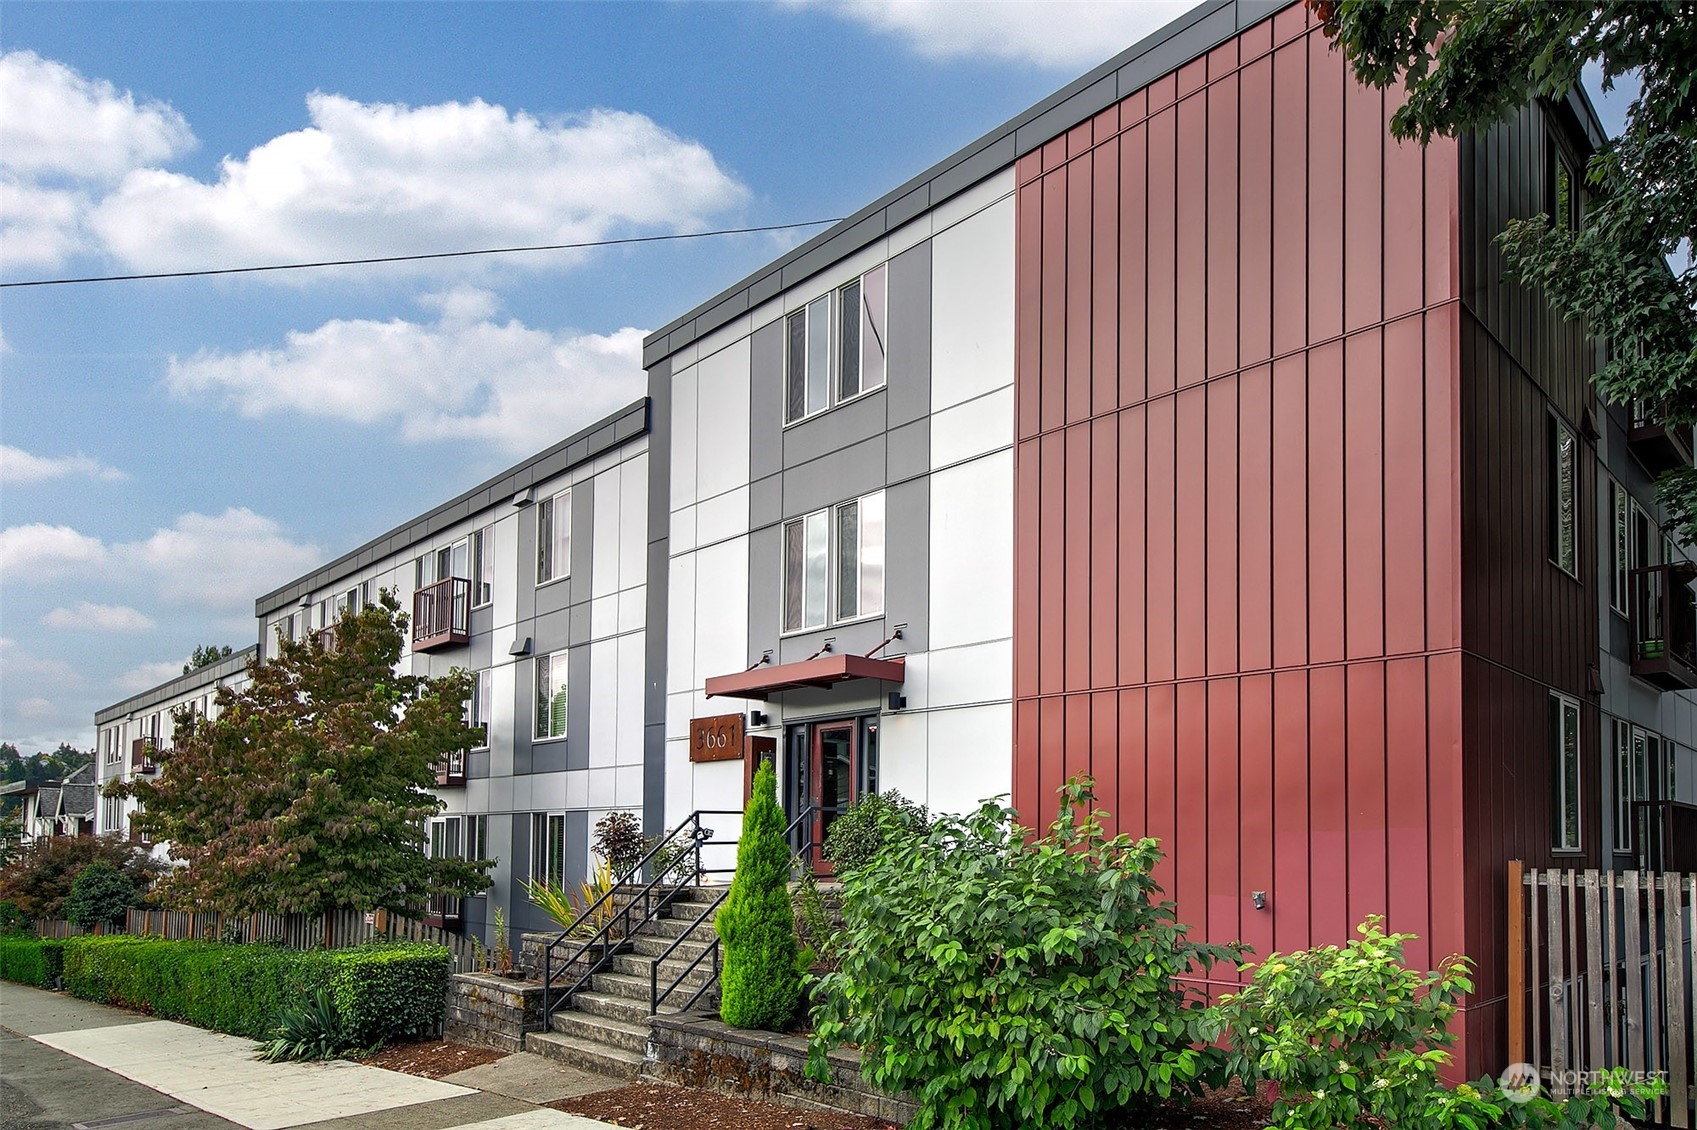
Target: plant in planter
[(619, 841), (503, 948), (559, 904), (761, 981)]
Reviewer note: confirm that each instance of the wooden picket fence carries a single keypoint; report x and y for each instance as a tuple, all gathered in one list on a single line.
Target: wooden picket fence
[(1600, 976), (333, 930)]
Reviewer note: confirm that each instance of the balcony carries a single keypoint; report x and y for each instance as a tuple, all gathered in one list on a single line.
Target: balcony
[(327, 638), (141, 757), (441, 615), (1664, 626), (1660, 446), (1664, 835), (450, 771), (444, 912)]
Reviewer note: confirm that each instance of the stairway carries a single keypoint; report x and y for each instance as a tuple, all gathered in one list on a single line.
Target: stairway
[(605, 1028)]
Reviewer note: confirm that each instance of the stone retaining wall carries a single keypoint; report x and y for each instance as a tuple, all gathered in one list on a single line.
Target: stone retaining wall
[(700, 1051), (490, 1011)]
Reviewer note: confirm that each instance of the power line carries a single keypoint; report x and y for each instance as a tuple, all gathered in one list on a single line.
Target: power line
[(415, 258)]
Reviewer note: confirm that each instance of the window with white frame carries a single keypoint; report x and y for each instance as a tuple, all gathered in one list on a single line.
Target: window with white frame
[(551, 695), (111, 814), (1564, 738), (548, 848), (853, 318), (476, 837), (1564, 494), (482, 566), (445, 837), (1620, 506), (477, 710), (554, 537), (457, 837), (834, 564), (111, 750)]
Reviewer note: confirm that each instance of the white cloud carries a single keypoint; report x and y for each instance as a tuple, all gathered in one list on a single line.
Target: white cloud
[(36, 709), (369, 179), (86, 616), (222, 560), (1070, 34), (148, 675), (465, 377), (19, 466), (39, 552), (26, 666)]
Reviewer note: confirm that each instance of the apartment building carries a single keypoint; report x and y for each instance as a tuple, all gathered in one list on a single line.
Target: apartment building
[(130, 732)]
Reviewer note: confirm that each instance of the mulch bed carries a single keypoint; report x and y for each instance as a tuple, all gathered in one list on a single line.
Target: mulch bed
[(430, 1058), (658, 1106)]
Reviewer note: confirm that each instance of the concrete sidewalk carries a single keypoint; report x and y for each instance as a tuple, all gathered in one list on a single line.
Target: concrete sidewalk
[(219, 1075)]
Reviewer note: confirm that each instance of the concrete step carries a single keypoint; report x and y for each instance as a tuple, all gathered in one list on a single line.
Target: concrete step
[(669, 970), (645, 945), (574, 1051), (623, 1009), (601, 1030), (635, 990), (666, 926)]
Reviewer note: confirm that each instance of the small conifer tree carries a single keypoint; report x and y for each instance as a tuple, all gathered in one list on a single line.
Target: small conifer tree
[(761, 982)]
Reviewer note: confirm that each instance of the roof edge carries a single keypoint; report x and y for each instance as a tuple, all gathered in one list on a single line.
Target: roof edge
[(172, 687)]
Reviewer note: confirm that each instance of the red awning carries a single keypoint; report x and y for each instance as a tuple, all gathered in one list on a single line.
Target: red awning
[(824, 671)]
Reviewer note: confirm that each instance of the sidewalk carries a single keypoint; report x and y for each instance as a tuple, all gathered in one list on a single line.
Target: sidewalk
[(218, 1074)]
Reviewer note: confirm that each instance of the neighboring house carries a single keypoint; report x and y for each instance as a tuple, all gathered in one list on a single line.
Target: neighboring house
[(56, 808), (1326, 560), (129, 732)]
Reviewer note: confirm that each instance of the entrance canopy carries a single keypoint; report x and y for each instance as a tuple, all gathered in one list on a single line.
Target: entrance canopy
[(823, 671)]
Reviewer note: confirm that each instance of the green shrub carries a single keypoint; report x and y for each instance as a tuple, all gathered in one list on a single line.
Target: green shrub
[(380, 991), (760, 983), (1012, 981), (856, 835), (310, 1029), (619, 841), (100, 896), (52, 961), (39, 880), (22, 962)]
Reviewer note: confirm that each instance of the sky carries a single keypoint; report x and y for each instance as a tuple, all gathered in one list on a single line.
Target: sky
[(171, 449)]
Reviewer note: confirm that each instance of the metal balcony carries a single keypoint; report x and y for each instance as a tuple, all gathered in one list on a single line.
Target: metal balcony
[(444, 912), (1664, 626), (327, 638), (1660, 446), (441, 615), (450, 770), (141, 757)]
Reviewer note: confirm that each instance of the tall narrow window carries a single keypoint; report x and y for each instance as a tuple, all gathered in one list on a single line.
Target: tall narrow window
[(548, 848), (860, 557), (477, 710), (1621, 574), (483, 566), (424, 570), (554, 538), (445, 838), (1564, 191), (806, 576), (551, 695), (1626, 783), (476, 838), (863, 327), (1564, 491), (1564, 736), (818, 354), (795, 366)]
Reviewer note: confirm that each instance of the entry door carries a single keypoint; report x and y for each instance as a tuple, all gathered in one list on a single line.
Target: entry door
[(835, 774)]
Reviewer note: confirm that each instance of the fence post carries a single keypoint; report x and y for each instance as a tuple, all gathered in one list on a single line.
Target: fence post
[(1516, 961)]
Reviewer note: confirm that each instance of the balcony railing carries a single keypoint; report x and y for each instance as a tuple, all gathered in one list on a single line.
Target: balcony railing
[(451, 769), (444, 912), (441, 615), (1659, 445), (1664, 626), (1664, 835), (141, 756), (327, 637)]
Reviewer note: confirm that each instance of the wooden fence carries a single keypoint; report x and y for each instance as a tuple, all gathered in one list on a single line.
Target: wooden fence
[(1600, 977), (334, 930)]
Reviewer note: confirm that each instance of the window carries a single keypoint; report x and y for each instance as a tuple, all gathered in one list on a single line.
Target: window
[(111, 814), (548, 848), (482, 566), (477, 710), (1564, 735), (365, 594), (858, 313), (551, 696), (1628, 784), (423, 570), (458, 837), (554, 538), (476, 837), (840, 551), (1564, 190), (1564, 493), (110, 746), (445, 838), (1621, 574)]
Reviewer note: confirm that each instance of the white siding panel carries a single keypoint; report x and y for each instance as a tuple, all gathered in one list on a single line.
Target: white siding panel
[(973, 428), (683, 437), (680, 781), (972, 552), (627, 787), (633, 608), (902, 760), (976, 673), (629, 710), (680, 624), (604, 550), (603, 616), (722, 516), (721, 609), (603, 702), (972, 306), (602, 784), (721, 452), (633, 522), (971, 756)]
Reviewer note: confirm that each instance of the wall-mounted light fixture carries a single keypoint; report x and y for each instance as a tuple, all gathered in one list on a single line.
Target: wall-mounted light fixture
[(756, 719), (1258, 899), (897, 701)]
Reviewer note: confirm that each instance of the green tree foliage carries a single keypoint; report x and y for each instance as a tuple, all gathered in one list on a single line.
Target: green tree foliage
[(100, 895), (309, 791), (1010, 981), (855, 837), (1469, 63), (39, 768), (761, 982), (206, 655), (39, 880)]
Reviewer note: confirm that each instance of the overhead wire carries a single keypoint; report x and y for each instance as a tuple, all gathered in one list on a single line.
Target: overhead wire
[(416, 258)]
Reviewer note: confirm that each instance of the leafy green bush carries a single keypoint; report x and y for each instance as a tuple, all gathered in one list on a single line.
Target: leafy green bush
[(381, 991), (760, 983), (1010, 981), (856, 835), (309, 1029), (21, 961), (100, 896), (52, 961), (39, 880), (1350, 1037)]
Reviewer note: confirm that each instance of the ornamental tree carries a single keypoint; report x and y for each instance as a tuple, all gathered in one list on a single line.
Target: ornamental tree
[(1468, 63), (309, 791), (761, 981)]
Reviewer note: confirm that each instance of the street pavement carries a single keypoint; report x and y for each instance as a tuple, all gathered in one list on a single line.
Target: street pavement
[(67, 1063)]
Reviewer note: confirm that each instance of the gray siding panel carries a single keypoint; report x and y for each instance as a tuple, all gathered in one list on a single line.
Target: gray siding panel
[(766, 397), (836, 476), (836, 428), (765, 588), (909, 379), (654, 814)]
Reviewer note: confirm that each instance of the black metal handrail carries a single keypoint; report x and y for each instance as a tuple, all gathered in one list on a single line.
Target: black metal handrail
[(657, 996)]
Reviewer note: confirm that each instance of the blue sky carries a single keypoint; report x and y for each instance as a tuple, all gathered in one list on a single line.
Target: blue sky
[(171, 449)]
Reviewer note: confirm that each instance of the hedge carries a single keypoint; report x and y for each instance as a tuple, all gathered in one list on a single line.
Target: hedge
[(381, 991), (21, 961)]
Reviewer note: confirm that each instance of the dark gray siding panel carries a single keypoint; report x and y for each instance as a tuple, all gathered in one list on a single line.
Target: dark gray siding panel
[(654, 814), (765, 563), (766, 398), (909, 379)]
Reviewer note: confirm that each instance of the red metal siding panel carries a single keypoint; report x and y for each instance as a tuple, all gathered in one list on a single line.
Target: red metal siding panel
[(1028, 536), (1160, 546), (1051, 767), (1104, 282), (1290, 898), (1163, 790), (1131, 812), (1027, 755), (1255, 212), (1328, 834), (1191, 219), (1443, 481), (1363, 204), (1189, 844), (1364, 532), (1078, 741), (1225, 772), (1051, 565), (1405, 208), (1290, 511), (1406, 775), (1290, 199), (1190, 535), (1161, 281), (1133, 275), (1080, 279), (1405, 488), (1325, 190), (1221, 511), (1256, 810), (1365, 789), (1076, 674), (1135, 586), (1325, 504), (1220, 338), (1028, 316), (1103, 608), (1255, 519), (1052, 371), (1105, 752)]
